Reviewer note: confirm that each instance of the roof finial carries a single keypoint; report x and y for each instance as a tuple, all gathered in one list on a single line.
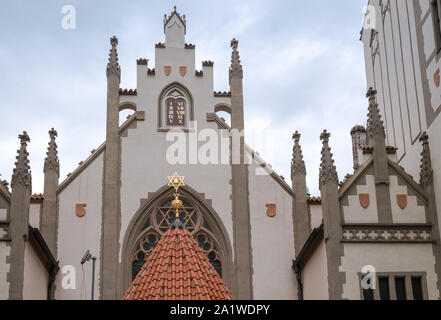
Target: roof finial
[(236, 68), (327, 167), (375, 124), (298, 165), (176, 181), (113, 67), (52, 161), (21, 172), (426, 162)]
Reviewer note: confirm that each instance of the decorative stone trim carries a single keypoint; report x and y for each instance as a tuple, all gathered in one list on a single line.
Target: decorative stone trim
[(128, 92), (151, 72), (370, 149), (199, 73), (160, 45), (190, 46), (220, 94), (387, 233), (207, 63), (142, 62)]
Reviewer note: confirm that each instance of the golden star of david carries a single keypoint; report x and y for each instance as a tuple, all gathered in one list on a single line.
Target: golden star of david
[(176, 181)]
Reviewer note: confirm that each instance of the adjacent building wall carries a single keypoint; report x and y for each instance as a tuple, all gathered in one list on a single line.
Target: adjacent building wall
[(315, 275), (402, 64), (36, 276)]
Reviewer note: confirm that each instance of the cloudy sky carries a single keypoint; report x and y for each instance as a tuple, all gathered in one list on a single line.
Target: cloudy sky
[(303, 70)]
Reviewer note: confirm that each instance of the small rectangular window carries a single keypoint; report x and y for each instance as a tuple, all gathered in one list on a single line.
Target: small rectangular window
[(383, 283), (400, 288), (436, 7), (417, 288), (368, 294)]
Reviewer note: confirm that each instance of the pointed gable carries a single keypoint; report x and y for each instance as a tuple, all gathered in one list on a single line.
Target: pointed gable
[(177, 269)]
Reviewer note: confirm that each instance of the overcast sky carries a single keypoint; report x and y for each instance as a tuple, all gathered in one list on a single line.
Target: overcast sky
[(303, 70)]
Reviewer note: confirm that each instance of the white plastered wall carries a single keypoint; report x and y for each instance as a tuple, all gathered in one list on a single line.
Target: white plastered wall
[(413, 213), (387, 258), (315, 275), (34, 215), (272, 239), (316, 216), (354, 212), (36, 277), (76, 235)]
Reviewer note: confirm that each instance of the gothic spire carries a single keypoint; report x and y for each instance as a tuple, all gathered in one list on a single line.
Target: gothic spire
[(236, 68), (51, 161), (327, 167), (113, 65), (21, 173), (426, 163), (374, 124), (298, 165)]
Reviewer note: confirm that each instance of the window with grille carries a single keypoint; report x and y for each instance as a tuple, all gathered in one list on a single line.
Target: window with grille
[(396, 287), (160, 222)]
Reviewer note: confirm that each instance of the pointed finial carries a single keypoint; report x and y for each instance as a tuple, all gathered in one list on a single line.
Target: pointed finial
[(236, 68), (426, 163), (21, 172), (52, 162), (375, 125), (113, 67), (327, 168), (325, 136), (174, 8), (297, 165)]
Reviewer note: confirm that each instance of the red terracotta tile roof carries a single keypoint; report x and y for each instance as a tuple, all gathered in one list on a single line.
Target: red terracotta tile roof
[(177, 269), (37, 196), (314, 200)]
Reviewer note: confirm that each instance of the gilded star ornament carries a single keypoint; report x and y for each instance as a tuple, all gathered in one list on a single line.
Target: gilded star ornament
[(176, 181)]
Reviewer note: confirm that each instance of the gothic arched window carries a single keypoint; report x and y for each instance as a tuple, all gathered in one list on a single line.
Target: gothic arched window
[(174, 108), (161, 220)]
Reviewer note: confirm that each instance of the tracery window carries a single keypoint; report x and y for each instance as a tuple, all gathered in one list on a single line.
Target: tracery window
[(160, 222)]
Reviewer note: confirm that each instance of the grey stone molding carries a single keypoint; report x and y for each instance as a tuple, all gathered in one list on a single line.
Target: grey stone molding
[(395, 233)]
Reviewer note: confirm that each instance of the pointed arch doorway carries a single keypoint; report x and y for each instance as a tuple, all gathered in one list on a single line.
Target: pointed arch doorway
[(155, 217)]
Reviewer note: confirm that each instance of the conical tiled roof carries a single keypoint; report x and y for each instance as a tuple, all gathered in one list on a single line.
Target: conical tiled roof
[(177, 269)]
